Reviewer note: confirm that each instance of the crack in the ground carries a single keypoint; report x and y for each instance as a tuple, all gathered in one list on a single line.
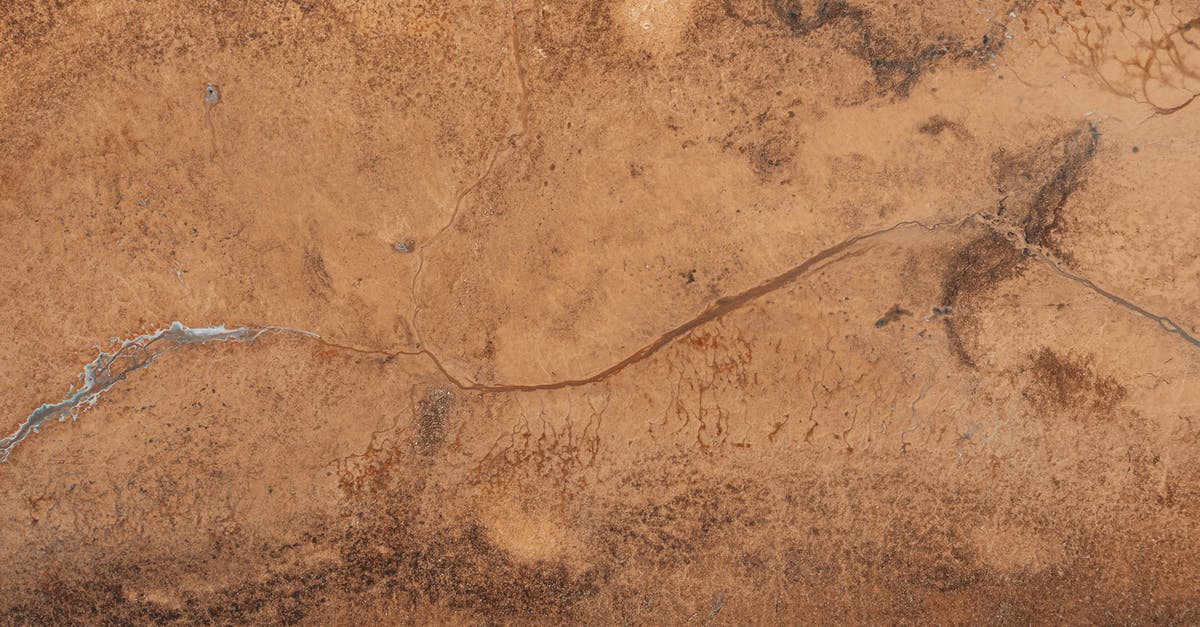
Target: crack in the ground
[(717, 309), (511, 140), (1168, 325), (1164, 322), (139, 352), (728, 304)]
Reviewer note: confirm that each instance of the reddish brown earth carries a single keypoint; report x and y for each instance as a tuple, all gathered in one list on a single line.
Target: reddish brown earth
[(712, 311)]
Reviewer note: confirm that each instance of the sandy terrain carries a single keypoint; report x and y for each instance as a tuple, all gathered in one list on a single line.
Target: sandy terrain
[(629, 311)]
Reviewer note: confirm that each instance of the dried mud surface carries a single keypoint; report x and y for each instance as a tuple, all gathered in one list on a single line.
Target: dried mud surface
[(633, 311)]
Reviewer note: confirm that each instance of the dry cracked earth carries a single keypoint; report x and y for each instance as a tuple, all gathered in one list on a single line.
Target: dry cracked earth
[(600, 312)]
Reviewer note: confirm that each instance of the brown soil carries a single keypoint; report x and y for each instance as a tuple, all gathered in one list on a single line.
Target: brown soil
[(633, 311)]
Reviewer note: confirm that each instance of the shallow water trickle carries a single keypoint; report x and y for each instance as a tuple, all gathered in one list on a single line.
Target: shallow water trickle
[(108, 368)]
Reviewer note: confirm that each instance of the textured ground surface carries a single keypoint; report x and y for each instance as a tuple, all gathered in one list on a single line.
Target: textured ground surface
[(717, 311)]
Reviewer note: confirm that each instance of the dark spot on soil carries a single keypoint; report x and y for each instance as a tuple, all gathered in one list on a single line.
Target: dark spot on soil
[(315, 275), (891, 315), (802, 21), (1068, 382), (936, 125), (675, 530), (978, 266), (771, 155), (433, 418), (896, 61), (769, 152), (974, 269), (1037, 183)]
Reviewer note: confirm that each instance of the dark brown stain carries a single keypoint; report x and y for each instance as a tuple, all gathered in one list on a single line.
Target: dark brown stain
[(1070, 382), (582, 37), (315, 276), (1035, 185), (896, 60), (26, 25), (770, 156), (675, 530), (973, 270), (935, 557), (433, 419), (97, 599), (978, 266), (767, 145), (802, 20), (892, 315), (796, 17), (817, 536), (936, 125)]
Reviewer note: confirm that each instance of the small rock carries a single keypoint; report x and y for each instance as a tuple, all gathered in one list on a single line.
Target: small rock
[(212, 95), (407, 246)]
